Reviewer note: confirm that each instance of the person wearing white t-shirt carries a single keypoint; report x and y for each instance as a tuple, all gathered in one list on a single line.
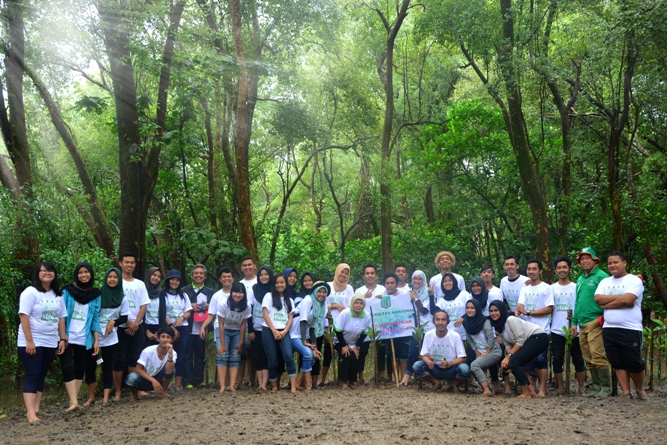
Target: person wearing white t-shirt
[(155, 366), (620, 296), (511, 285), (338, 299), (368, 290), (175, 311), (401, 271), (453, 302), (233, 316), (565, 295), (278, 311), (443, 356), (488, 274), (131, 334), (82, 300), (260, 289), (351, 327), (113, 312), (444, 261), (536, 303), (248, 269), (42, 313), (225, 276)]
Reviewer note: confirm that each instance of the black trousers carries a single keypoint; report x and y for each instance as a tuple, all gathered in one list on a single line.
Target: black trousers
[(347, 366), (76, 362), (558, 354)]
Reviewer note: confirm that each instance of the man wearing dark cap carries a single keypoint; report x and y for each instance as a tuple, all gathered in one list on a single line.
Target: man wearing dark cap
[(585, 320)]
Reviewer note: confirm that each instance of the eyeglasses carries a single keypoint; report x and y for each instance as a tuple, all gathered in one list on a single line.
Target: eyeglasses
[(46, 271)]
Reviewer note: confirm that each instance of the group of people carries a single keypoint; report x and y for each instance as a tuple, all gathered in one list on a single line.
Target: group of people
[(155, 330)]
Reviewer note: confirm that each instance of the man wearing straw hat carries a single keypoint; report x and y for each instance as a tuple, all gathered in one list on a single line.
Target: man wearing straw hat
[(586, 320)]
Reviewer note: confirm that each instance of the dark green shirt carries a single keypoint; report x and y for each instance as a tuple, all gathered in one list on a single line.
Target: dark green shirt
[(585, 308)]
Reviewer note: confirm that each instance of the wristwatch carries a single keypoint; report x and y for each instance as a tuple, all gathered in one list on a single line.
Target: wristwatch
[(528, 313), (509, 354)]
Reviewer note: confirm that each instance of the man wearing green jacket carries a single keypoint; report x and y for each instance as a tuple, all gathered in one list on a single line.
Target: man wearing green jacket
[(585, 319)]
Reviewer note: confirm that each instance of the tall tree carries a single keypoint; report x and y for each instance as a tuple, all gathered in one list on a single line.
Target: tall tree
[(385, 70), (139, 162)]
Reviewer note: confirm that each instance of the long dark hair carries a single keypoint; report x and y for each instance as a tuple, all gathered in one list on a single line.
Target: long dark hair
[(275, 295), (243, 304), (37, 283)]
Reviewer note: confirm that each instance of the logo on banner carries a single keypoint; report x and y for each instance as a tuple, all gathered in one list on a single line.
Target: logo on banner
[(385, 302)]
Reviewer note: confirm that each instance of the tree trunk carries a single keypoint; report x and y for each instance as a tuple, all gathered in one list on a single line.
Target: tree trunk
[(14, 127), (530, 181), (137, 177), (428, 205), (242, 139), (385, 160)]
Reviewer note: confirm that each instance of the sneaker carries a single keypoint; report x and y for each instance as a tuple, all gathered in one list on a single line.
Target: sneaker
[(189, 387)]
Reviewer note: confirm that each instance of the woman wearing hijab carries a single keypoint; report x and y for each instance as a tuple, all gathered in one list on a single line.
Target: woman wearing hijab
[(337, 301), (453, 301), (351, 329), (260, 290), (421, 300), (152, 318), (523, 341), (307, 281), (480, 337), (41, 333), (313, 314), (114, 311), (82, 300), (479, 292), (175, 310), (292, 277)]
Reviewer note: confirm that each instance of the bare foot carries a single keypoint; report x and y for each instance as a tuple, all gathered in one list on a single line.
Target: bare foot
[(232, 388), (641, 395), (540, 395), (524, 396), (33, 419), (344, 386), (275, 389), (163, 394), (118, 395), (73, 407), (487, 394), (105, 403), (437, 386), (90, 402)]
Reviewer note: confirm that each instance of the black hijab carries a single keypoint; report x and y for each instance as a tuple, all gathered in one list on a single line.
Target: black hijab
[(153, 289), (83, 293), (473, 325), (291, 290), (499, 324), (450, 295), (303, 291), (259, 289), (483, 298)]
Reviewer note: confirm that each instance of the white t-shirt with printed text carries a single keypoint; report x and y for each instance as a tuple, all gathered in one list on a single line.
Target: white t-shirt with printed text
[(564, 299), (455, 309), (535, 298), (233, 319), (77, 324), (151, 362), (279, 318), (626, 318), (511, 290), (449, 347), (106, 315), (44, 311), (137, 296)]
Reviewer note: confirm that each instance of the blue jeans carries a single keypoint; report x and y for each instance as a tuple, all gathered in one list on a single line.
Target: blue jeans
[(135, 381), (306, 355), (539, 362), (460, 371), (271, 346), (231, 356)]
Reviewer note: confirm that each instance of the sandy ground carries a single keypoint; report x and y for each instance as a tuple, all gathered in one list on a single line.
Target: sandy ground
[(373, 415)]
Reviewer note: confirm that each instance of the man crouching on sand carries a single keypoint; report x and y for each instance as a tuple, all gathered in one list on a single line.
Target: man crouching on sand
[(155, 367)]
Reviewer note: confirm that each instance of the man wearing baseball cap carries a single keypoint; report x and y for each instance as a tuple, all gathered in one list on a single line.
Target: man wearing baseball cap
[(585, 319)]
